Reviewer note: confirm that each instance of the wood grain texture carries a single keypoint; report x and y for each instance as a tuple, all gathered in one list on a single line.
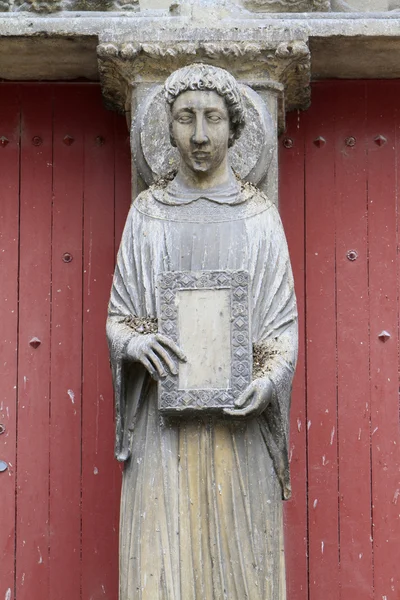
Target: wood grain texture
[(66, 343), (33, 462), (321, 351), (292, 207), (352, 299), (9, 259), (382, 119), (59, 531), (40, 223), (101, 480)]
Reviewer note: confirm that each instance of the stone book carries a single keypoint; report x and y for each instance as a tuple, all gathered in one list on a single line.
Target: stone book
[(207, 314)]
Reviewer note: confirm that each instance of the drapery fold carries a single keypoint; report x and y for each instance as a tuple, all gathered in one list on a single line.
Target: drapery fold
[(219, 481)]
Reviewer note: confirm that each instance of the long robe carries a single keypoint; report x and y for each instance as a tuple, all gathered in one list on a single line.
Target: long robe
[(201, 508)]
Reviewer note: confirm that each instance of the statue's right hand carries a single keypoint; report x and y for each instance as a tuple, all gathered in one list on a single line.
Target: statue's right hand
[(156, 352)]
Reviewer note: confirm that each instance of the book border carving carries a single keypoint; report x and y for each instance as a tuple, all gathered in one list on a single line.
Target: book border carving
[(174, 400)]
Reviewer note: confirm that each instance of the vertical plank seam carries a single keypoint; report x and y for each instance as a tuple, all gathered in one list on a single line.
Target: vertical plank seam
[(336, 192), (305, 313), (18, 338), (397, 249), (83, 126), (366, 115), (50, 333)]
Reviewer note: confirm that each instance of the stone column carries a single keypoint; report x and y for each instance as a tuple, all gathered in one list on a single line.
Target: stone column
[(276, 76)]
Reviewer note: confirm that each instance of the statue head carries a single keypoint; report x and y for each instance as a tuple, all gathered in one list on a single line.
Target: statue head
[(206, 115)]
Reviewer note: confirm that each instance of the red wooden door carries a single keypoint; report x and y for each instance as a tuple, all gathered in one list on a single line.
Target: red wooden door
[(64, 195), (339, 201)]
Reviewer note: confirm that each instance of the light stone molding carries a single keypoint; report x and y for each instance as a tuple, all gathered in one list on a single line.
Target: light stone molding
[(54, 6), (195, 8)]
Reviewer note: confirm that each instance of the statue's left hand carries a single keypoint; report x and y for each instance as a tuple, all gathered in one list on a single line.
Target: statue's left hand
[(254, 399)]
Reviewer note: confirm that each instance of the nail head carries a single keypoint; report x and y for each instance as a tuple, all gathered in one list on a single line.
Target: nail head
[(380, 140), (288, 143), (67, 257), (350, 141), (35, 342), (320, 141), (384, 335), (352, 255)]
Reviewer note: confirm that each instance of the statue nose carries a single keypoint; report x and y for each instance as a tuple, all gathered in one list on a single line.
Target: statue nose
[(199, 135)]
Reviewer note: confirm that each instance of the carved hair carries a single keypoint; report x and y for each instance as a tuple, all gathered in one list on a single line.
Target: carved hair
[(210, 79)]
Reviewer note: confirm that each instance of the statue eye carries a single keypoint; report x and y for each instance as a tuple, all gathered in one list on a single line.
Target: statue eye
[(185, 119), (214, 118)]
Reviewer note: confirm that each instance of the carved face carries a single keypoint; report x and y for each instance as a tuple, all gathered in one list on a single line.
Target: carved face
[(201, 130)]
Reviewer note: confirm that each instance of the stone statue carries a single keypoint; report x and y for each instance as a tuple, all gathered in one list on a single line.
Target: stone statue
[(201, 510)]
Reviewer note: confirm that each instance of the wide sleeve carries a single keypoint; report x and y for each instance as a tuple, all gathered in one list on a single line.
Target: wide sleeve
[(275, 335), (124, 317)]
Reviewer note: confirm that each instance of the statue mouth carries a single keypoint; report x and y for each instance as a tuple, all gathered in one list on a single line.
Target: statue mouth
[(200, 154)]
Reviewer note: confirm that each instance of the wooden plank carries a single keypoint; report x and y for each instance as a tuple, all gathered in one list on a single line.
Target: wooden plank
[(353, 344), (122, 176), (34, 364), (384, 292), (321, 347), (291, 205), (100, 475), (66, 343), (9, 242)]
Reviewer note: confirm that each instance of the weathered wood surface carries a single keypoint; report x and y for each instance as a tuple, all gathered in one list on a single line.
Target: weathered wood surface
[(61, 491), (9, 250), (60, 496), (348, 144)]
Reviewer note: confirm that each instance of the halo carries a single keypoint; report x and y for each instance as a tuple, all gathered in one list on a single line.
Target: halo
[(155, 158)]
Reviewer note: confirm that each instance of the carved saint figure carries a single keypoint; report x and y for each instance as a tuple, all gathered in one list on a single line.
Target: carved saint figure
[(201, 510)]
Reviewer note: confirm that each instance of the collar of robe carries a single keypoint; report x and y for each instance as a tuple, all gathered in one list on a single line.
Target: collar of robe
[(176, 194), (225, 203)]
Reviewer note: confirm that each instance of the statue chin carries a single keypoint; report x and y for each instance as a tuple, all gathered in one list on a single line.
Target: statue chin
[(202, 166)]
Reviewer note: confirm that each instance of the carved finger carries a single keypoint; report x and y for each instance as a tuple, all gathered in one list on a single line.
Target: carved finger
[(244, 397), (163, 339), (239, 412), (160, 350), (152, 356), (255, 407), (147, 364)]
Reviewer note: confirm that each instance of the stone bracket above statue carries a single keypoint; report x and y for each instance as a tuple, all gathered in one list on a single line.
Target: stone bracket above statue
[(285, 63), (276, 75)]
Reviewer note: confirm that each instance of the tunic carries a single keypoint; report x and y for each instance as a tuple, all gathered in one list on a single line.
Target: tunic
[(201, 508)]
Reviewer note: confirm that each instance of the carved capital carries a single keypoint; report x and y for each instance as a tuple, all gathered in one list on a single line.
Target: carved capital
[(125, 65)]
